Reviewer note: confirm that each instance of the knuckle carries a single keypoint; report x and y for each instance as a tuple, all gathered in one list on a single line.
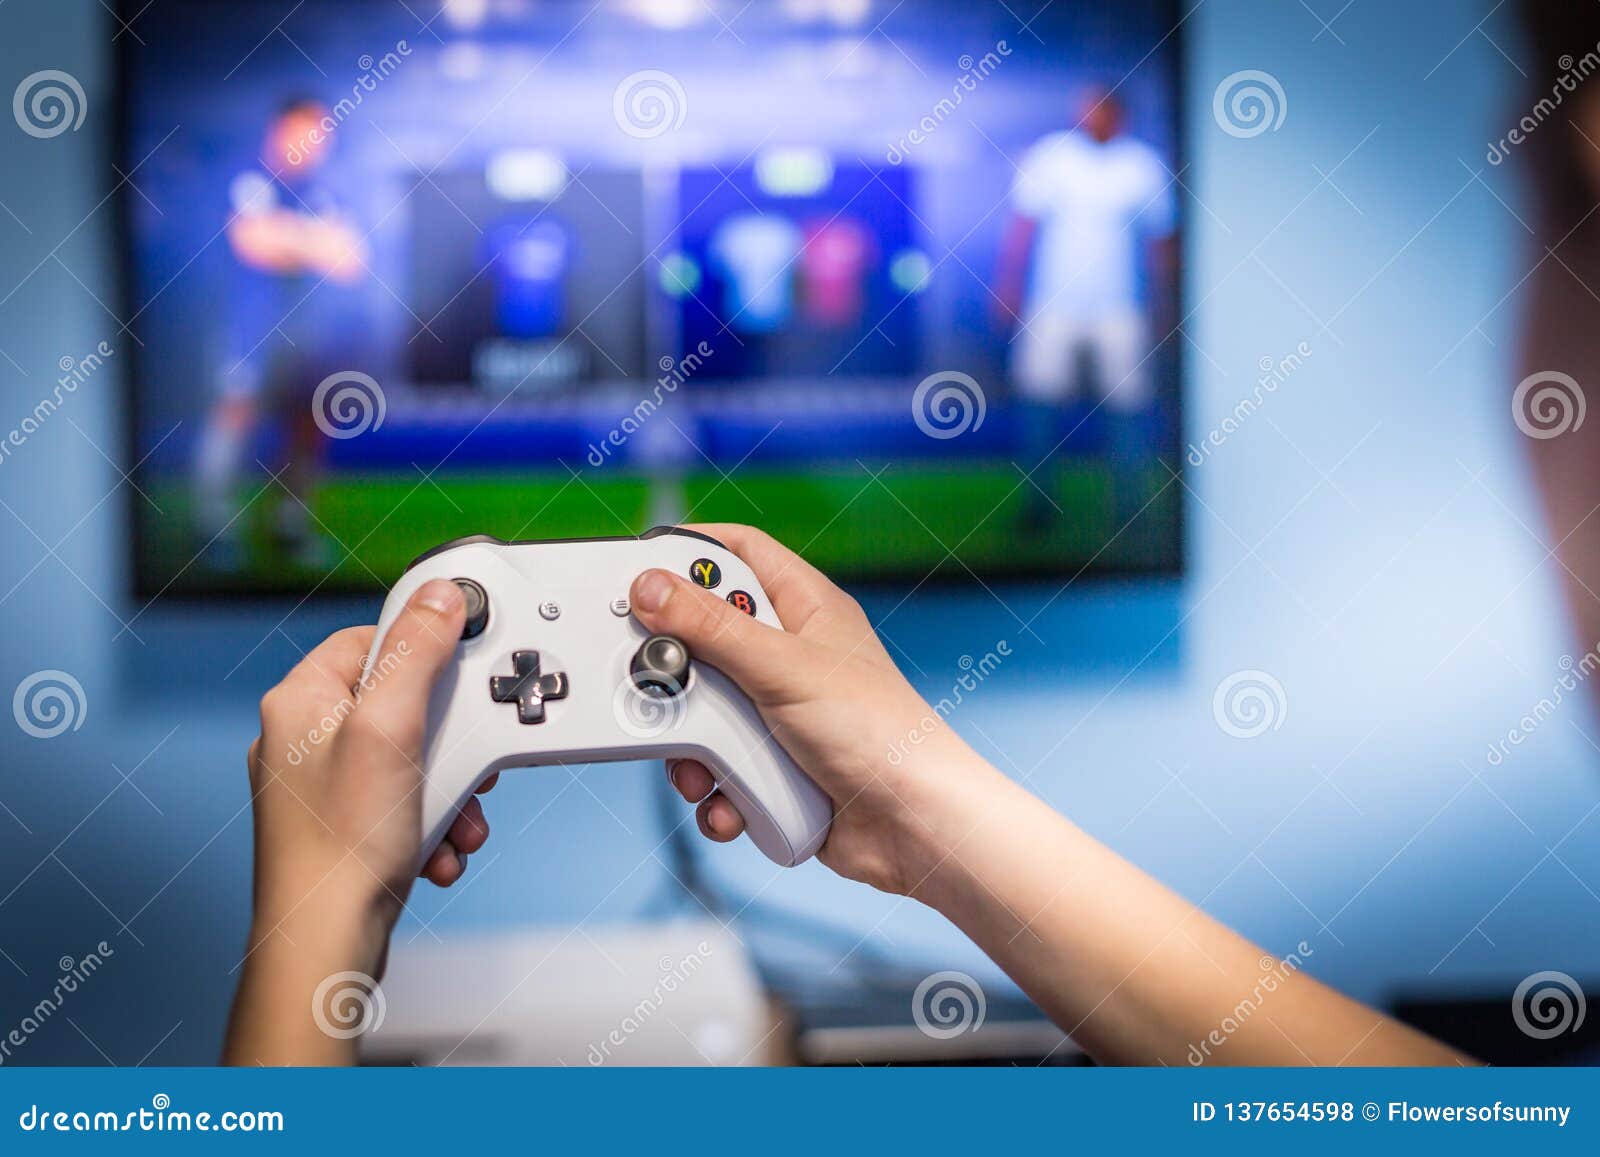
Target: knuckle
[(353, 634), (756, 534), (384, 729), (277, 703)]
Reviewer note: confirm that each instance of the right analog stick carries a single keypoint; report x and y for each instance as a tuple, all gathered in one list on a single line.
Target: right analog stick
[(660, 666)]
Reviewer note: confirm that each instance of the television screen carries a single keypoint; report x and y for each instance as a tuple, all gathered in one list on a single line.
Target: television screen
[(895, 281)]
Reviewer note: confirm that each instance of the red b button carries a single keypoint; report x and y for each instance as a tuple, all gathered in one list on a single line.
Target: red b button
[(743, 601)]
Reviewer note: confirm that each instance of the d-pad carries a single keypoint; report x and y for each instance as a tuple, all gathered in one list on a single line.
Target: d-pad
[(528, 689)]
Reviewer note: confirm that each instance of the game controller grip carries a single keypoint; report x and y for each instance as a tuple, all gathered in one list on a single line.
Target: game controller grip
[(785, 815)]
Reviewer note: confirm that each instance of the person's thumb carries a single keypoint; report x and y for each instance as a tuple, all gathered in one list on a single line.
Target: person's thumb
[(394, 694), (771, 666)]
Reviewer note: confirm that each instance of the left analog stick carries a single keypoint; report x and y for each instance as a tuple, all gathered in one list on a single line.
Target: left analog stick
[(477, 608)]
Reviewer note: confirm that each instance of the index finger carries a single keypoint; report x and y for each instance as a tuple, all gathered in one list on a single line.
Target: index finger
[(797, 589), (806, 600), (336, 660)]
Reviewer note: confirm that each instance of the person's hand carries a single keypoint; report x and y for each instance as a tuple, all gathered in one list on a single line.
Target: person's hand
[(336, 780), (900, 780), (337, 775)]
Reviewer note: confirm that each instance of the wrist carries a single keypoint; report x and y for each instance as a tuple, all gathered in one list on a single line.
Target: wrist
[(308, 965), (966, 811), (336, 922), (947, 792)]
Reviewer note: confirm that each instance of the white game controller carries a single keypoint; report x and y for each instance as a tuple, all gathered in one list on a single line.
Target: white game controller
[(552, 668)]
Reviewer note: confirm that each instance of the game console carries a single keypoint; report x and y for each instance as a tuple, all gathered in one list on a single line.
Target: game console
[(552, 668)]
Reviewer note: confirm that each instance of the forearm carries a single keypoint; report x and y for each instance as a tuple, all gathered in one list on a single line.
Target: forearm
[(293, 1007), (1132, 971)]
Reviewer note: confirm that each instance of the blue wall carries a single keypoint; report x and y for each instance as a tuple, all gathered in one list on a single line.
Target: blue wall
[(1365, 538)]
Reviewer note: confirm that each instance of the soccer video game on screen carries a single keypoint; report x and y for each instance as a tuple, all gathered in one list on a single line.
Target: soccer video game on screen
[(899, 290)]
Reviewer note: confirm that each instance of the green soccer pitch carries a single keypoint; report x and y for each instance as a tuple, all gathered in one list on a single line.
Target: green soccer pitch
[(906, 522)]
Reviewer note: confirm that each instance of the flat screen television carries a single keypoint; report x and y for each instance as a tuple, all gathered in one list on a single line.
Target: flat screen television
[(895, 281)]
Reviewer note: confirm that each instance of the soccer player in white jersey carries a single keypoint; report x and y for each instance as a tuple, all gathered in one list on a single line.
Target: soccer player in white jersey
[(1089, 204)]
